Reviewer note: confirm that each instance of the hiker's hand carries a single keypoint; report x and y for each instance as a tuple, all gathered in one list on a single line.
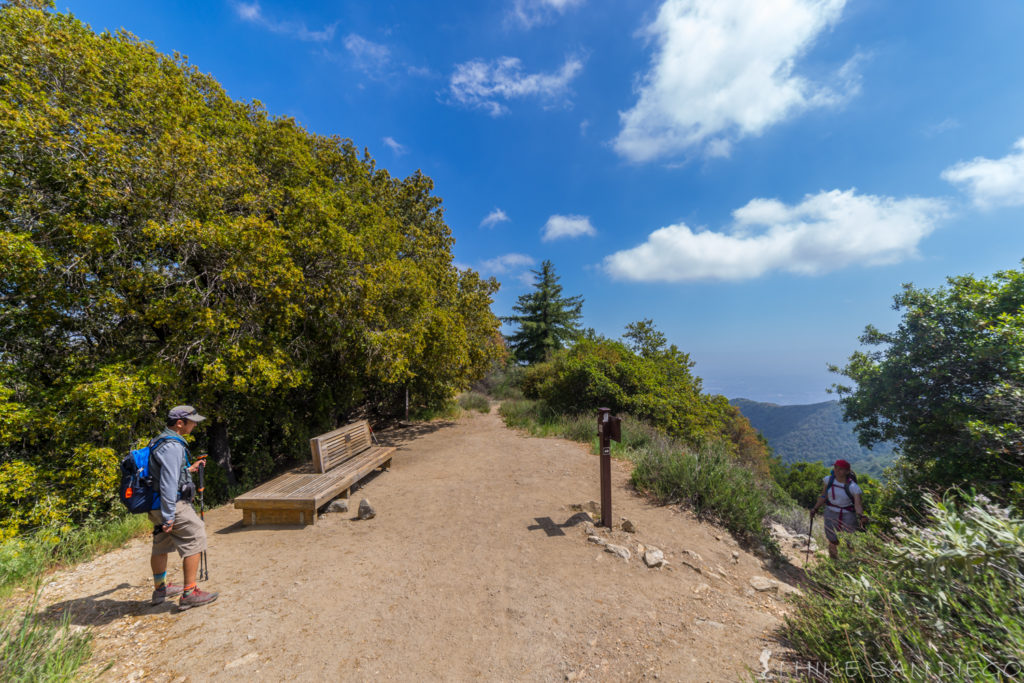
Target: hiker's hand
[(194, 467), (168, 526)]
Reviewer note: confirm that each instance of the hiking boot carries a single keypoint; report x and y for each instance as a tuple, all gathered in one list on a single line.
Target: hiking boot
[(196, 598), (168, 590)]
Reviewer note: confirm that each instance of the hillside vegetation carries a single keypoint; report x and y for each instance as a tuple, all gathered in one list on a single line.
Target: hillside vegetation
[(812, 433)]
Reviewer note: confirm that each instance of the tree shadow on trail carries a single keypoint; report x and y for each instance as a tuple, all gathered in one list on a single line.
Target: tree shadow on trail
[(405, 433), (97, 610)]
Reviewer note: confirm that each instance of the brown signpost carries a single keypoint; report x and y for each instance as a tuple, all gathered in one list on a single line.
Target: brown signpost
[(609, 428)]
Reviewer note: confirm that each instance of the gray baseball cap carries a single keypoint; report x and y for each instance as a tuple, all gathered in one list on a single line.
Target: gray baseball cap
[(185, 413)]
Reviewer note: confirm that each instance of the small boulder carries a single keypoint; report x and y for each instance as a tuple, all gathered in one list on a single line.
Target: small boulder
[(653, 557), (763, 583), (597, 539), (366, 510), (628, 526), (339, 505), (618, 550)]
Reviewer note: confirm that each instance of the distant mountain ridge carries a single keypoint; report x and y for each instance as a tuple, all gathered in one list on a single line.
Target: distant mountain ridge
[(813, 432)]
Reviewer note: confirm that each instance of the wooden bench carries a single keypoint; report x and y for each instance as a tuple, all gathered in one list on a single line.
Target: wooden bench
[(340, 459)]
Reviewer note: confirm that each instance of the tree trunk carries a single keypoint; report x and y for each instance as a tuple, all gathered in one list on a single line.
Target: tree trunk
[(220, 448)]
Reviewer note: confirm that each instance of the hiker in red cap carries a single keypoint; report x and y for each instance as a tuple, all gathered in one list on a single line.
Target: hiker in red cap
[(844, 510)]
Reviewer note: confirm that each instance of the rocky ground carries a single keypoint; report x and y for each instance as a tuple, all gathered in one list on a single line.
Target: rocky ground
[(480, 562)]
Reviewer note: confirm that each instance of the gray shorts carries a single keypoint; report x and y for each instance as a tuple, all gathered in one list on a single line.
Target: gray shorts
[(187, 536), (833, 526)]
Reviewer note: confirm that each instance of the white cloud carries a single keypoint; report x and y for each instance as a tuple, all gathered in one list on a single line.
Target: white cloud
[(480, 84), (558, 227), (529, 13), (991, 182), (251, 11), (493, 218), (395, 146), (825, 232), (723, 71), (506, 263), (368, 56)]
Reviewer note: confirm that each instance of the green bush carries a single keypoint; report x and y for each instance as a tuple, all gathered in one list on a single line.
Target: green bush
[(655, 386), (708, 482), (475, 401), (941, 601)]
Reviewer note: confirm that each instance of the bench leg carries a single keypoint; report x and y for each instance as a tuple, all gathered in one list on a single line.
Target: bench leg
[(386, 465), (250, 517)]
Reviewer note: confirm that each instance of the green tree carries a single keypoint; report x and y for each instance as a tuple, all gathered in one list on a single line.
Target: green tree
[(644, 338), (945, 385), (546, 320), (161, 243)]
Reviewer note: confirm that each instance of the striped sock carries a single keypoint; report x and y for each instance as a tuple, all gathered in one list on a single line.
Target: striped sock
[(188, 590), (160, 580)]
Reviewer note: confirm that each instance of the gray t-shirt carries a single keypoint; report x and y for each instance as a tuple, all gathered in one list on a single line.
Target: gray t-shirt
[(170, 460)]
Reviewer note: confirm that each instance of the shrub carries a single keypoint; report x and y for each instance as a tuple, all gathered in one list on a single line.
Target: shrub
[(710, 483), (475, 401), (941, 601)]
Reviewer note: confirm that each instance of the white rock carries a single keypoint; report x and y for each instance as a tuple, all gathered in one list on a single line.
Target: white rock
[(618, 550), (654, 557), (597, 539)]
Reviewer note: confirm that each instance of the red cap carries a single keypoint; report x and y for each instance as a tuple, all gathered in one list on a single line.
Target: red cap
[(841, 464)]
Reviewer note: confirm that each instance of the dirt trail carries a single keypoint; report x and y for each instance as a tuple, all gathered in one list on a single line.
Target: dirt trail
[(469, 571)]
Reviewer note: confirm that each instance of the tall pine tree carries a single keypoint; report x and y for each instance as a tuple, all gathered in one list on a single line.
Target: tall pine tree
[(546, 319)]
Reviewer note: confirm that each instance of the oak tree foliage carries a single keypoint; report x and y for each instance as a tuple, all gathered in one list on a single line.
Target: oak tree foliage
[(946, 386), (162, 243)]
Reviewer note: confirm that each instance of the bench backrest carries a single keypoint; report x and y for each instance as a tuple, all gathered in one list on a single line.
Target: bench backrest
[(333, 448)]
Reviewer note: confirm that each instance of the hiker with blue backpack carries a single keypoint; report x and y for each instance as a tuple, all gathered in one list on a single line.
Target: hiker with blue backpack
[(176, 524), (844, 509)]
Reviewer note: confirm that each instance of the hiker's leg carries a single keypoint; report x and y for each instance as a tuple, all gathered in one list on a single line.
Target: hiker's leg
[(190, 567), (833, 550), (158, 563)]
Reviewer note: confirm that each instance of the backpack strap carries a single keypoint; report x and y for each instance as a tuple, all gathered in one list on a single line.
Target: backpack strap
[(159, 440)]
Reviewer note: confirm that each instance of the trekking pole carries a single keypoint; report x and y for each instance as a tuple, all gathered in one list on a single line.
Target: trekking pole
[(810, 528), (204, 568)]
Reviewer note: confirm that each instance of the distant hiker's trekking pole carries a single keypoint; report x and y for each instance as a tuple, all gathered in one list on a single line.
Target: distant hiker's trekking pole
[(204, 568), (810, 528)]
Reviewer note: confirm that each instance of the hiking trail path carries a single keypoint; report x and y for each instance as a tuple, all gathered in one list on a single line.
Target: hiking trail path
[(476, 567)]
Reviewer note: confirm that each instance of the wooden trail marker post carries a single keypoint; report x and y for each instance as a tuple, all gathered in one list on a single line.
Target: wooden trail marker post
[(609, 428)]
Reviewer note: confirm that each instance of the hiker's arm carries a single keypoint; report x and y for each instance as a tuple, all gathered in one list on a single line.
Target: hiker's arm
[(822, 497), (170, 458)]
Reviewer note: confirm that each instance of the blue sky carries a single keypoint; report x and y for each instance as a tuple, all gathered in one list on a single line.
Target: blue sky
[(759, 177)]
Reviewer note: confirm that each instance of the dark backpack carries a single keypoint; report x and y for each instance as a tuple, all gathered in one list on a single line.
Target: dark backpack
[(846, 487), (139, 490)]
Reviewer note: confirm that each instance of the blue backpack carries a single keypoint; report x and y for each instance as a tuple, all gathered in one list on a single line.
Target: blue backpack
[(139, 492)]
